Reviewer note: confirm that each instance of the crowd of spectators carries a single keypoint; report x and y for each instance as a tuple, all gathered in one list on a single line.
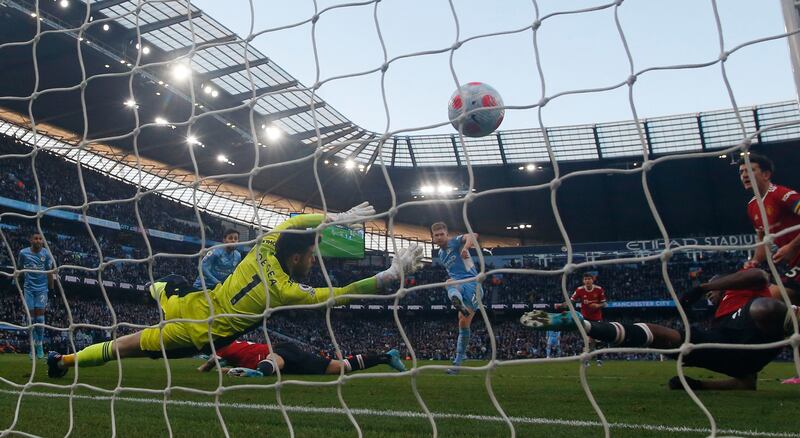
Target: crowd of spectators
[(124, 256), (76, 254), (73, 249), (58, 185), (622, 282)]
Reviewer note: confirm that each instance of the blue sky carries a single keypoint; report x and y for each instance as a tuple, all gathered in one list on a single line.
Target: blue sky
[(577, 52)]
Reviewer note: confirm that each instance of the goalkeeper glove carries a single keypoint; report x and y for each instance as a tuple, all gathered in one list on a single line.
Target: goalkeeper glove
[(406, 260), (357, 214)]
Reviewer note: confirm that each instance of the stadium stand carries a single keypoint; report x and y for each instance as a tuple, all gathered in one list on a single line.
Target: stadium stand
[(17, 182), (71, 245)]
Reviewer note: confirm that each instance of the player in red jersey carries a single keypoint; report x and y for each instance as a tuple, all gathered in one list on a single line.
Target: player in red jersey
[(592, 298), (782, 206), (251, 359), (747, 314)]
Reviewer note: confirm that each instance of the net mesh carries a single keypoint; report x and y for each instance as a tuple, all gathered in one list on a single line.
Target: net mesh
[(197, 191)]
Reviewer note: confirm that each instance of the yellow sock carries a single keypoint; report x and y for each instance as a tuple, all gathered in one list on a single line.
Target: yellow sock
[(93, 355)]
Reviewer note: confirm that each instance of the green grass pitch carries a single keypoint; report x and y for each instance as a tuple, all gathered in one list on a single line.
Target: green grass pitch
[(541, 399)]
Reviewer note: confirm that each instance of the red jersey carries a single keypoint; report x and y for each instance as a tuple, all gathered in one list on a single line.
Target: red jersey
[(586, 297), (782, 206), (733, 300), (244, 354)]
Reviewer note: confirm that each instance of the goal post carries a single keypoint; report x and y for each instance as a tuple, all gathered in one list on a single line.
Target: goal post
[(791, 16)]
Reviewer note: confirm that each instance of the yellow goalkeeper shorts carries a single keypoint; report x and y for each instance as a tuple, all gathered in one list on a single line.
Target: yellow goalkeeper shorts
[(177, 335)]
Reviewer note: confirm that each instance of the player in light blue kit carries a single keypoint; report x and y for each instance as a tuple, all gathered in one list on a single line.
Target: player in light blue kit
[(219, 263), (454, 256), (36, 285), (553, 343)]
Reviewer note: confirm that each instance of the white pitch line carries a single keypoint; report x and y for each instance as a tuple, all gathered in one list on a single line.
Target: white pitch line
[(413, 414)]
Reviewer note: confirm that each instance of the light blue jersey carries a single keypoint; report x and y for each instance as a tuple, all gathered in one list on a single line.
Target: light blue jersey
[(468, 293), (40, 261), (450, 258), (35, 286), (460, 269), (218, 264), (553, 343)]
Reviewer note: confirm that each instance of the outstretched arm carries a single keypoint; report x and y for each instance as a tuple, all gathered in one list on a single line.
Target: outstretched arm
[(296, 293), (469, 240), (407, 260), (301, 221), (747, 279), (352, 218)]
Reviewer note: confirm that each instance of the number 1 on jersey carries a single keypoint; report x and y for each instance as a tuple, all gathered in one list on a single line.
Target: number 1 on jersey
[(247, 288)]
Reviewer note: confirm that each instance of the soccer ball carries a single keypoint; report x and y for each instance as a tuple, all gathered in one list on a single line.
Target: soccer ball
[(472, 96)]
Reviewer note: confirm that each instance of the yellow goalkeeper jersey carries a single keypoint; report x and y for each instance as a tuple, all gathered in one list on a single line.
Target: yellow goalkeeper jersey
[(244, 292)]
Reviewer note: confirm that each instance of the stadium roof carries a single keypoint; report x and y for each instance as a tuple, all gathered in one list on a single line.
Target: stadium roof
[(224, 63), (221, 58), (203, 194)]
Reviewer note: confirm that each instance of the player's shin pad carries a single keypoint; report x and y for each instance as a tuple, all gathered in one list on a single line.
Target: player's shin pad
[(38, 331), (94, 355), (463, 342), (363, 361), (623, 335), (267, 367)]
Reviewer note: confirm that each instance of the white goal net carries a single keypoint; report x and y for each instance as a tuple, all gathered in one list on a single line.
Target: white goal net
[(135, 132)]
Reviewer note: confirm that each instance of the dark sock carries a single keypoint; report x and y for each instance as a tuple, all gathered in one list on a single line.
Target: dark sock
[(267, 367), (602, 331), (363, 361), (624, 335)]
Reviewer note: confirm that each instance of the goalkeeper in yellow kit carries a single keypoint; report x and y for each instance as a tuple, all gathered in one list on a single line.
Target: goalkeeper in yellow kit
[(266, 278)]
